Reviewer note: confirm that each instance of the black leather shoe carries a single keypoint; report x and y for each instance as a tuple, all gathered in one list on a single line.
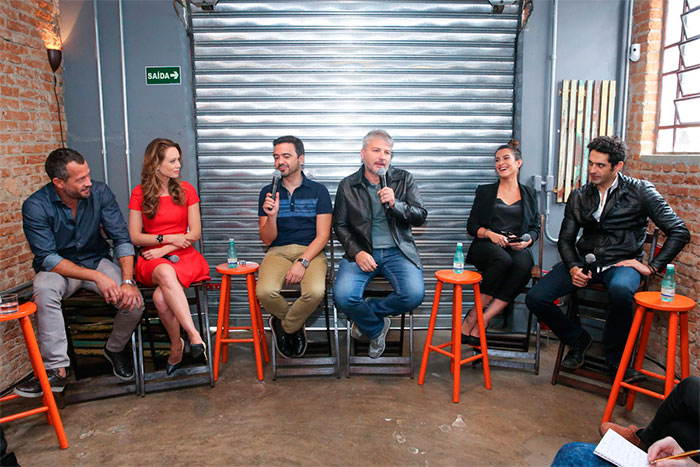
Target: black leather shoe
[(470, 340), (172, 368), (283, 341), (197, 350), (122, 363), (299, 342), (32, 387), (574, 358), (631, 375)]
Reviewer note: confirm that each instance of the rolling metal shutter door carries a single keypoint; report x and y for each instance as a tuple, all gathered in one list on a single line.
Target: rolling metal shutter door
[(438, 76)]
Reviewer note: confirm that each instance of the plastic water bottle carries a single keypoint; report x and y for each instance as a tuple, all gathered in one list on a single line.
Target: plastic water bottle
[(232, 254), (458, 261), (668, 285)]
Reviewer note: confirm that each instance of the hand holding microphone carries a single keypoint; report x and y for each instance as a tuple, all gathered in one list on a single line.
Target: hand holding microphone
[(387, 196), (270, 205), (580, 276)]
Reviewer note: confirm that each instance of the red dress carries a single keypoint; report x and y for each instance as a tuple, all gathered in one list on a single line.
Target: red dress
[(170, 219)]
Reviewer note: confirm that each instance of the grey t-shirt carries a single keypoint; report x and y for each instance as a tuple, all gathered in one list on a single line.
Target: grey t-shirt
[(381, 237)]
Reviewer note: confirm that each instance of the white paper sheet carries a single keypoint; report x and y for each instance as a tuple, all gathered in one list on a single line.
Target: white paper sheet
[(616, 449)]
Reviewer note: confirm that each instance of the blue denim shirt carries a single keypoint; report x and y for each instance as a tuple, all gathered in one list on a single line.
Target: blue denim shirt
[(54, 235)]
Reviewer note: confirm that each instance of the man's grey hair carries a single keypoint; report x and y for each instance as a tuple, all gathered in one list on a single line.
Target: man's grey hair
[(374, 134)]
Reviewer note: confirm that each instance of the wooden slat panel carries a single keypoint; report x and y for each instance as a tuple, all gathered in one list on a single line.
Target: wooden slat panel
[(562, 138)]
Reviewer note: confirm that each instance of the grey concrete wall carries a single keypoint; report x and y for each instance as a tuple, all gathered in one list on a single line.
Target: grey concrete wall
[(153, 36), (589, 44)]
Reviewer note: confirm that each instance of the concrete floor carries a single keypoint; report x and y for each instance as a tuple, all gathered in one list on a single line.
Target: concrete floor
[(364, 420)]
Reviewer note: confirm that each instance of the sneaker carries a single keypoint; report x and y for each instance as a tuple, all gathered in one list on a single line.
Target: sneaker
[(574, 358), (283, 342), (355, 332), (299, 342), (32, 387), (630, 433), (378, 344), (122, 363)]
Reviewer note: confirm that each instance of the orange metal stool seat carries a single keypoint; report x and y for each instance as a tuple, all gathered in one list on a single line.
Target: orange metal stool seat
[(458, 280), (677, 311), (49, 404), (223, 326)]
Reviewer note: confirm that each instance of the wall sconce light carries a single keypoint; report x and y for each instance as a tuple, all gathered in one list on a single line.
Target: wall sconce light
[(55, 56)]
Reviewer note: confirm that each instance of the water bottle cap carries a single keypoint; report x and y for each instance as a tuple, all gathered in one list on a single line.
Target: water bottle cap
[(230, 240), (670, 266), (459, 243)]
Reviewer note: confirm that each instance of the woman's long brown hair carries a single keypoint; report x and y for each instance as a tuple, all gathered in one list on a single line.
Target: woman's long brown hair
[(150, 183)]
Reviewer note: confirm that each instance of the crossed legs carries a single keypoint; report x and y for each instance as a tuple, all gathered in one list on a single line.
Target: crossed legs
[(173, 310)]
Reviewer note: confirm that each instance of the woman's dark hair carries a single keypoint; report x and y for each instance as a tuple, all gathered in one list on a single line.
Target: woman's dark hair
[(613, 146), (58, 160), (514, 146)]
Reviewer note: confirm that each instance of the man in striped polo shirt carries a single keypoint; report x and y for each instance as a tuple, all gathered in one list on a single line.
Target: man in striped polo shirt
[(295, 223)]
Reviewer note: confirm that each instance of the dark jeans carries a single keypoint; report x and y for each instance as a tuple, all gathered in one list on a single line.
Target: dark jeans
[(621, 283), (678, 416), (504, 271)]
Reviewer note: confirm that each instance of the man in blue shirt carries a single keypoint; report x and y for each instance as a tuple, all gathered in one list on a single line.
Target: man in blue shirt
[(63, 222), (296, 224)]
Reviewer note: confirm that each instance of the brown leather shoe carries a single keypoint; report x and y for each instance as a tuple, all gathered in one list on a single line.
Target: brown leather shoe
[(629, 433)]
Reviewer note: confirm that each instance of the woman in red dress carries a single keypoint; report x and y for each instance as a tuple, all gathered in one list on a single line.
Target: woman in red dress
[(164, 219)]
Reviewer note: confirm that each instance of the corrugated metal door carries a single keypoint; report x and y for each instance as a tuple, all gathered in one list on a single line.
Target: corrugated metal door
[(438, 76)]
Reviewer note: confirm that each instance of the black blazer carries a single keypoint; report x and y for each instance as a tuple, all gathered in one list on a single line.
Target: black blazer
[(484, 200)]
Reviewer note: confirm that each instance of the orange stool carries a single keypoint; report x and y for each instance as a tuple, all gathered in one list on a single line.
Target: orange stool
[(47, 399), (677, 309), (223, 321), (458, 280)]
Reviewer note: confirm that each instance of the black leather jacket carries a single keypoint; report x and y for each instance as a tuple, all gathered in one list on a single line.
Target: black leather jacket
[(622, 228), (352, 214)]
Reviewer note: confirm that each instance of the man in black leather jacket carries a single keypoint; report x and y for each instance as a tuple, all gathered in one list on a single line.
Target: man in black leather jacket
[(372, 218), (613, 210)]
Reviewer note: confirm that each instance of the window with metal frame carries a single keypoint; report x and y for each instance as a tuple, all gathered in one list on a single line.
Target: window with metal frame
[(679, 102)]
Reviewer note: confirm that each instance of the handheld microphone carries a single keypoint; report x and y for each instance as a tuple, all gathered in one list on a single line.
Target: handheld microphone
[(590, 259), (526, 237), (276, 176), (172, 258), (382, 181)]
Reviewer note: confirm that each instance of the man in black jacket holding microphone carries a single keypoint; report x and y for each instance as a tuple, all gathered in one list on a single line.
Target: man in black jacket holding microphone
[(613, 210), (374, 211)]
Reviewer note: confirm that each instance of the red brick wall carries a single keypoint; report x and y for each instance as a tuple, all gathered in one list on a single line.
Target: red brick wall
[(679, 183), (28, 132)]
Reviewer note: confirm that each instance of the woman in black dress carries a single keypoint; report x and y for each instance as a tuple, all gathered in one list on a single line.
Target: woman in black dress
[(503, 212)]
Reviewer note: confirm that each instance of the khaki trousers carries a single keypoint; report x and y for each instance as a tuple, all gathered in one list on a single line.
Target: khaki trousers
[(271, 279)]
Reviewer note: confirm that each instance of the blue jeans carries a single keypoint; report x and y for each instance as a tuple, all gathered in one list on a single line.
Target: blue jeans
[(621, 283), (350, 283), (578, 455)]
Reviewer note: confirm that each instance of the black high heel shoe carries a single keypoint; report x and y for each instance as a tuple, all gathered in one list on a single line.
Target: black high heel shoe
[(197, 350), (471, 340), (171, 368)]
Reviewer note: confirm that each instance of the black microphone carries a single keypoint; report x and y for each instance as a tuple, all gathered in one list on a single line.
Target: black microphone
[(276, 176), (590, 259), (382, 181)]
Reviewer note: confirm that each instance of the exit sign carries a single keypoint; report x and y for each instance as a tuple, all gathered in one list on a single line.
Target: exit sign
[(162, 75)]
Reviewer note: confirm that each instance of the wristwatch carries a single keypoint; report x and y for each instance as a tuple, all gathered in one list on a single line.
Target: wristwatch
[(304, 262), (129, 281), (159, 238)]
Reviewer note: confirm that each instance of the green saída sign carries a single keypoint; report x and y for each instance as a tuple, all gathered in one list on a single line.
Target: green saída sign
[(162, 75)]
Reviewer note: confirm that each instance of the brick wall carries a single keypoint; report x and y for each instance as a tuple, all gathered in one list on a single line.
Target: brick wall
[(28, 132), (679, 183)]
